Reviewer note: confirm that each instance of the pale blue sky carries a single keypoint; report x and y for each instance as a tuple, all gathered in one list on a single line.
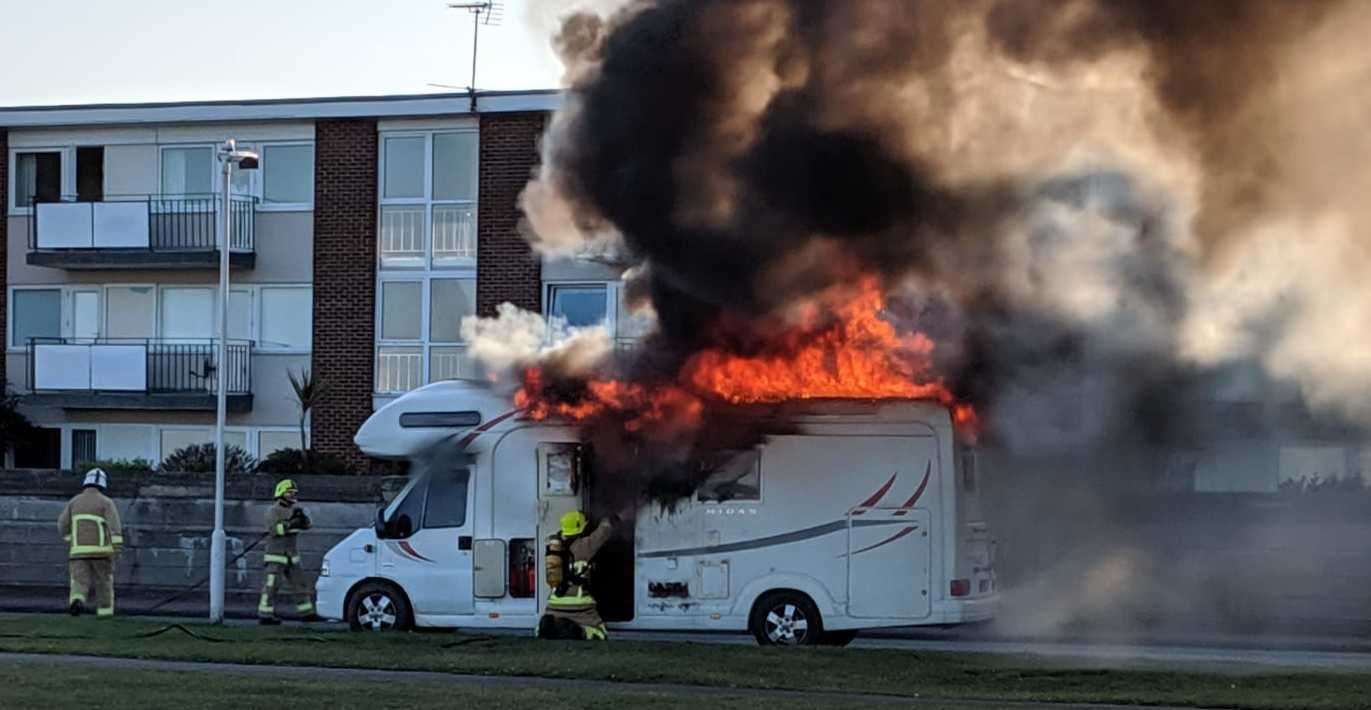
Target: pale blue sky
[(84, 51)]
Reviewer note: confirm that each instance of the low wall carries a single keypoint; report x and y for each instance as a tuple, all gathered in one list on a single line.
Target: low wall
[(167, 524)]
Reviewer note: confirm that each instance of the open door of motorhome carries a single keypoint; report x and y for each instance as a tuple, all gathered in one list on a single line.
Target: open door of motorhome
[(560, 491)]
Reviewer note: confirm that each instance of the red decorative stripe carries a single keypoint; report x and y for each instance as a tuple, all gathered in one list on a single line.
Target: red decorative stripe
[(404, 544), (471, 436), (887, 541), (877, 497), (928, 472)]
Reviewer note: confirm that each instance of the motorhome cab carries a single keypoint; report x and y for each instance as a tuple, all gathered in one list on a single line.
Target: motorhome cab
[(867, 515)]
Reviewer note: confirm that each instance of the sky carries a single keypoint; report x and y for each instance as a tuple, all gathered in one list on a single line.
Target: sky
[(98, 51)]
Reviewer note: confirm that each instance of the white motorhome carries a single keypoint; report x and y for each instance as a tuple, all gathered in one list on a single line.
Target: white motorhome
[(867, 515)]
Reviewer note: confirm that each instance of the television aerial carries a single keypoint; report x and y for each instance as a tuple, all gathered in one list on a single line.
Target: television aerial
[(483, 12)]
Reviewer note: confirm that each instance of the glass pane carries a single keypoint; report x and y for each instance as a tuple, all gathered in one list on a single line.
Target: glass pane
[(454, 232), (37, 314), (174, 440), (633, 323), (451, 363), (579, 305), (399, 369), (187, 171), (287, 318), (240, 315), (404, 167), (131, 311), (452, 300), (288, 174), (447, 500), (242, 180), (26, 178), (85, 316), (400, 305), (454, 166), (270, 441), (402, 233), (187, 313)]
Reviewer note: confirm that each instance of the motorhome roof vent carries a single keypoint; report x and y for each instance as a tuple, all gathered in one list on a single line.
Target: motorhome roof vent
[(439, 420)]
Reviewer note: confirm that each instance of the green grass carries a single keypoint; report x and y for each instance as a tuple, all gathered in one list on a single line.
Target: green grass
[(55, 687), (938, 675)]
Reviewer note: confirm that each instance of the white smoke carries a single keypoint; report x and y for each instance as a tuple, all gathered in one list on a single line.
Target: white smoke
[(516, 338)]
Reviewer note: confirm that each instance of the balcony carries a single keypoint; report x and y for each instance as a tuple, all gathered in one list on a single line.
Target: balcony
[(145, 232), (137, 374)]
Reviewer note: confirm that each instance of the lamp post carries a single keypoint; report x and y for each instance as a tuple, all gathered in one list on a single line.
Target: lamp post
[(229, 155)]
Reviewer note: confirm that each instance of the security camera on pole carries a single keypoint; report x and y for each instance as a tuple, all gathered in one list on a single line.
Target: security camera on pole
[(229, 155)]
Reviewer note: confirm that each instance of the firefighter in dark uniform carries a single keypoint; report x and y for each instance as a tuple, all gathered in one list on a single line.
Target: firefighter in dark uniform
[(571, 611)]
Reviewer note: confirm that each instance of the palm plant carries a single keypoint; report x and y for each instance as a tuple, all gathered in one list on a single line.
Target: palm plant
[(310, 391)]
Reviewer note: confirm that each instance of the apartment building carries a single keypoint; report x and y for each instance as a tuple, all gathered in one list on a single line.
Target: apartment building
[(370, 228)]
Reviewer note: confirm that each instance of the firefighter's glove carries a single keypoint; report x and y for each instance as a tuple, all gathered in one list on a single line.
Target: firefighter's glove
[(298, 520)]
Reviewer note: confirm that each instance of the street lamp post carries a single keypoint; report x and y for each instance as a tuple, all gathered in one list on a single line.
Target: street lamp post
[(229, 155)]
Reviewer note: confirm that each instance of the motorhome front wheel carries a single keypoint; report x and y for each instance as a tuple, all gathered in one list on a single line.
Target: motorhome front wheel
[(378, 607)]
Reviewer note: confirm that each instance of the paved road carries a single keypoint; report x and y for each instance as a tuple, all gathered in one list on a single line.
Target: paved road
[(764, 698)]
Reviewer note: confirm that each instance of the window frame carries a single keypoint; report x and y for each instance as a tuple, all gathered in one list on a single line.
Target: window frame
[(215, 175), (756, 453), (259, 177), (260, 303), (423, 524), (427, 263), (63, 326), (424, 344), (68, 167)]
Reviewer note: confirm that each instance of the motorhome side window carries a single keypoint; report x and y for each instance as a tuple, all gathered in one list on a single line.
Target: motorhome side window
[(447, 500), (736, 477)]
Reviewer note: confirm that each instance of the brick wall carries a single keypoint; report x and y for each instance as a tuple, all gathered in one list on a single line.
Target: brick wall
[(508, 269), (345, 164)]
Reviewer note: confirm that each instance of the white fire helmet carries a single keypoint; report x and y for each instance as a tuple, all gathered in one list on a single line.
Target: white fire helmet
[(96, 477)]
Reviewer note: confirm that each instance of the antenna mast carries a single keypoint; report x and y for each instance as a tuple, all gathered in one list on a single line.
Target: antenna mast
[(492, 10)]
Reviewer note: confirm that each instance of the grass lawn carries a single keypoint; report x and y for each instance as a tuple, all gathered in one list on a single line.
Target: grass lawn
[(939, 675)]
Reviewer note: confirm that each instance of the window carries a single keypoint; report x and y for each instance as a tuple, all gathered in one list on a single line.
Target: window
[(239, 316), (579, 306), (131, 311), (120, 441), (452, 300), (187, 171), (37, 177), (400, 310), (37, 314), (83, 449), (187, 313), (269, 442), (287, 174), (428, 200), (447, 499), (405, 520), (287, 318), (737, 477)]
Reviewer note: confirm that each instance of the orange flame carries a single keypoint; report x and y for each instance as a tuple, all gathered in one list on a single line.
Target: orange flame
[(855, 354)]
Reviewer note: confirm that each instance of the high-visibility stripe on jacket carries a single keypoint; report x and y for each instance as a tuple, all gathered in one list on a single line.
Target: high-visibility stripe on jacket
[(90, 525)]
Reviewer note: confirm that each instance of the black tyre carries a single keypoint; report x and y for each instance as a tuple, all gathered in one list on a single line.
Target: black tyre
[(377, 606), (837, 638), (786, 619)]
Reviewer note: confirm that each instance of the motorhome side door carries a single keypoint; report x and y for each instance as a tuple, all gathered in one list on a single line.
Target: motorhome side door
[(560, 486)]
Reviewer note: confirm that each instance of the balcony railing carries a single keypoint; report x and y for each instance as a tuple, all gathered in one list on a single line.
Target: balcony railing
[(119, 366), (138, 230)]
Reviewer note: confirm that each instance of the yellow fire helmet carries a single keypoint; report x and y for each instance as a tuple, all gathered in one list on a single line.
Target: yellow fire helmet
[(573, 523), (285, 486)]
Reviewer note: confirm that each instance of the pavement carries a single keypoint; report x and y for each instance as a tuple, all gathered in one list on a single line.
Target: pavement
[(578, 688)]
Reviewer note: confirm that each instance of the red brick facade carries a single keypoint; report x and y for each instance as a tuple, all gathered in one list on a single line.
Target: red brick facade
[(345, 165), (508, 269)]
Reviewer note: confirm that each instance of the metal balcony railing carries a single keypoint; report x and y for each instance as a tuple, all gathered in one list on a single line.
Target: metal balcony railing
[(154, 223), (131, 366)]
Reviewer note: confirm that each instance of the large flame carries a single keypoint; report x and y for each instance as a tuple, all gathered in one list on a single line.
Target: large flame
[(845, 351)]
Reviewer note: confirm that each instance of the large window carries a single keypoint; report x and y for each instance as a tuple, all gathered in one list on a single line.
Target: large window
[(37, 313), (420, 332), (174, 440), (447, 500), (579, 305), (37, 177), (187, 313), (582, 304), (287, 318), (287, 175), (428, 199), (188, 171)]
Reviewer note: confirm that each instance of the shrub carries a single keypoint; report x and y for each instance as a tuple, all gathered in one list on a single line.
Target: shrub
[(295, 462), (114, 466), (199, 458)]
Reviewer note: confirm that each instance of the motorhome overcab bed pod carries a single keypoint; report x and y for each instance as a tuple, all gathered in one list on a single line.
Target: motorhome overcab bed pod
[(869, 516)]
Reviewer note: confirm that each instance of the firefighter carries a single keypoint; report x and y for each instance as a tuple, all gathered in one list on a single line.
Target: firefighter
[(281, 567), (90, 525), (571, 611)]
